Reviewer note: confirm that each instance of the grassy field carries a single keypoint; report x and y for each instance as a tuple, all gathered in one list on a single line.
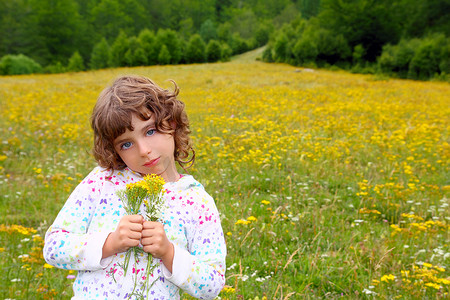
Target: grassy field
[(329, 184)]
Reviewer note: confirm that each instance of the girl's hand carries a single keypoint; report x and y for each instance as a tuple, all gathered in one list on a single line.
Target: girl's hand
[(156, 243), (127, 234)]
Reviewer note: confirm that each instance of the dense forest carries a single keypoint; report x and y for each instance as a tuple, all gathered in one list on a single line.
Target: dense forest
[(404, 38)]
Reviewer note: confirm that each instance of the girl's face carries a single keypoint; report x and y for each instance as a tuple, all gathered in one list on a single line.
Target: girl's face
[(146, 151)]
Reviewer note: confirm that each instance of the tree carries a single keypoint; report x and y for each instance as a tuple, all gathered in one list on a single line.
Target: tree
[(196, 50), (57, 24), (281, 48), (109, 17), (430, 56), (147, 41), (100, 56), (135, 55), (170, 39), (76, 63), (164, 56), (208, 31), (213, 51), (370, 23), (118, 50), (18, 29)]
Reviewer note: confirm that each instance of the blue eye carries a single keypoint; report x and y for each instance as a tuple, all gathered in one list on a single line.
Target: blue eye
[(151, 132), (126, 145)]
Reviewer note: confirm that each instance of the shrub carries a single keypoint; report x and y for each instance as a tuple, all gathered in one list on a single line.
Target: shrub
[(305, 50), (196, 50), (281, 48), (76, 63), (267, 54), (213, 51), (395, 59), (226, 52), (238, 45), (429, 57), (55, 68), (18, 64)]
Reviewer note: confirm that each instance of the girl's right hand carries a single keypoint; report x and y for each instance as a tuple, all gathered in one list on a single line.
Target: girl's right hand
[(127, 234)]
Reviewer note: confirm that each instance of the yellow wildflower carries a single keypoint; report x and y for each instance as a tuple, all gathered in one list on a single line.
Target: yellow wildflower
[(387, 278), (433, 285), (251, 219)]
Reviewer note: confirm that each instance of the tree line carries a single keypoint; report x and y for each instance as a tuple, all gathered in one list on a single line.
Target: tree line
[(403, 38), (71, 35)]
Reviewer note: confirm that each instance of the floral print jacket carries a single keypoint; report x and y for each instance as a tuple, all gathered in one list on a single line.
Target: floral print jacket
[(192, 223)]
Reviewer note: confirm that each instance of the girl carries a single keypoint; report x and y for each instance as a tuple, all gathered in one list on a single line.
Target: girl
[(139, 129)]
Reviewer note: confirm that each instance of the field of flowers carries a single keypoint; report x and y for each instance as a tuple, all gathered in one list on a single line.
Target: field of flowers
[(329, 184)]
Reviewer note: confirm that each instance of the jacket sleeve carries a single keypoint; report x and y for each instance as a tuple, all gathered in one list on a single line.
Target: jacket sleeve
[(200, 270), (68, 243)]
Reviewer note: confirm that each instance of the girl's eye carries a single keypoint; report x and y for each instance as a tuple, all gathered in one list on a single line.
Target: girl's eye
[(151, 132), (126, 145)]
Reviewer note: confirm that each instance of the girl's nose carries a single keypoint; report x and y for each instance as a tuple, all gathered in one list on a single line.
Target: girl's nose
[(144, 149)]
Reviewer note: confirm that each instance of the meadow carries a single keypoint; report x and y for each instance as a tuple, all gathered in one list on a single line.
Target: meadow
[(329, 184)]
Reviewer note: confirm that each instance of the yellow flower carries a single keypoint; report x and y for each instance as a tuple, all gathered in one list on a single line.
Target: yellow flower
[(387, 278), (265, 202), (433, 285), (47, 266), (228, 289), (240, 221), (251, 219)]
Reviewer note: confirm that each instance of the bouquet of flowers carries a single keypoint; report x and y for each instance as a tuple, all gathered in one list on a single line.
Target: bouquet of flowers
[(150, 193)]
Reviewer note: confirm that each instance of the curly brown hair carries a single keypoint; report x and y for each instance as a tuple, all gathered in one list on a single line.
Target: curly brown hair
[(140, 96)]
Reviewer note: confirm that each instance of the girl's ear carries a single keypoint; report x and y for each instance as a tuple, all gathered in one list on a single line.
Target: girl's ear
[(174, 125)]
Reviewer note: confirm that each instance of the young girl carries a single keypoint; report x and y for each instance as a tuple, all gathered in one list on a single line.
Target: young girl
[(139, 129)]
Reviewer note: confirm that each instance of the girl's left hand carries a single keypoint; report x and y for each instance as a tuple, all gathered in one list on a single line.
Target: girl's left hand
[(155, 242)]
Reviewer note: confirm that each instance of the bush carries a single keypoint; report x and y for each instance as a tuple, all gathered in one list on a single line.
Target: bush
[(395, 59), (281, 48), (305, 50), (226, 52), (76, 63), (267, 54), (421, 59), (238, 45), (213, 51), (55, 68), (196, 50), (429, 57), (18, 64)]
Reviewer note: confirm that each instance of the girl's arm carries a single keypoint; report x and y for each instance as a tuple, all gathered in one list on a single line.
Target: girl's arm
[(76, 238), (200, 270)]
